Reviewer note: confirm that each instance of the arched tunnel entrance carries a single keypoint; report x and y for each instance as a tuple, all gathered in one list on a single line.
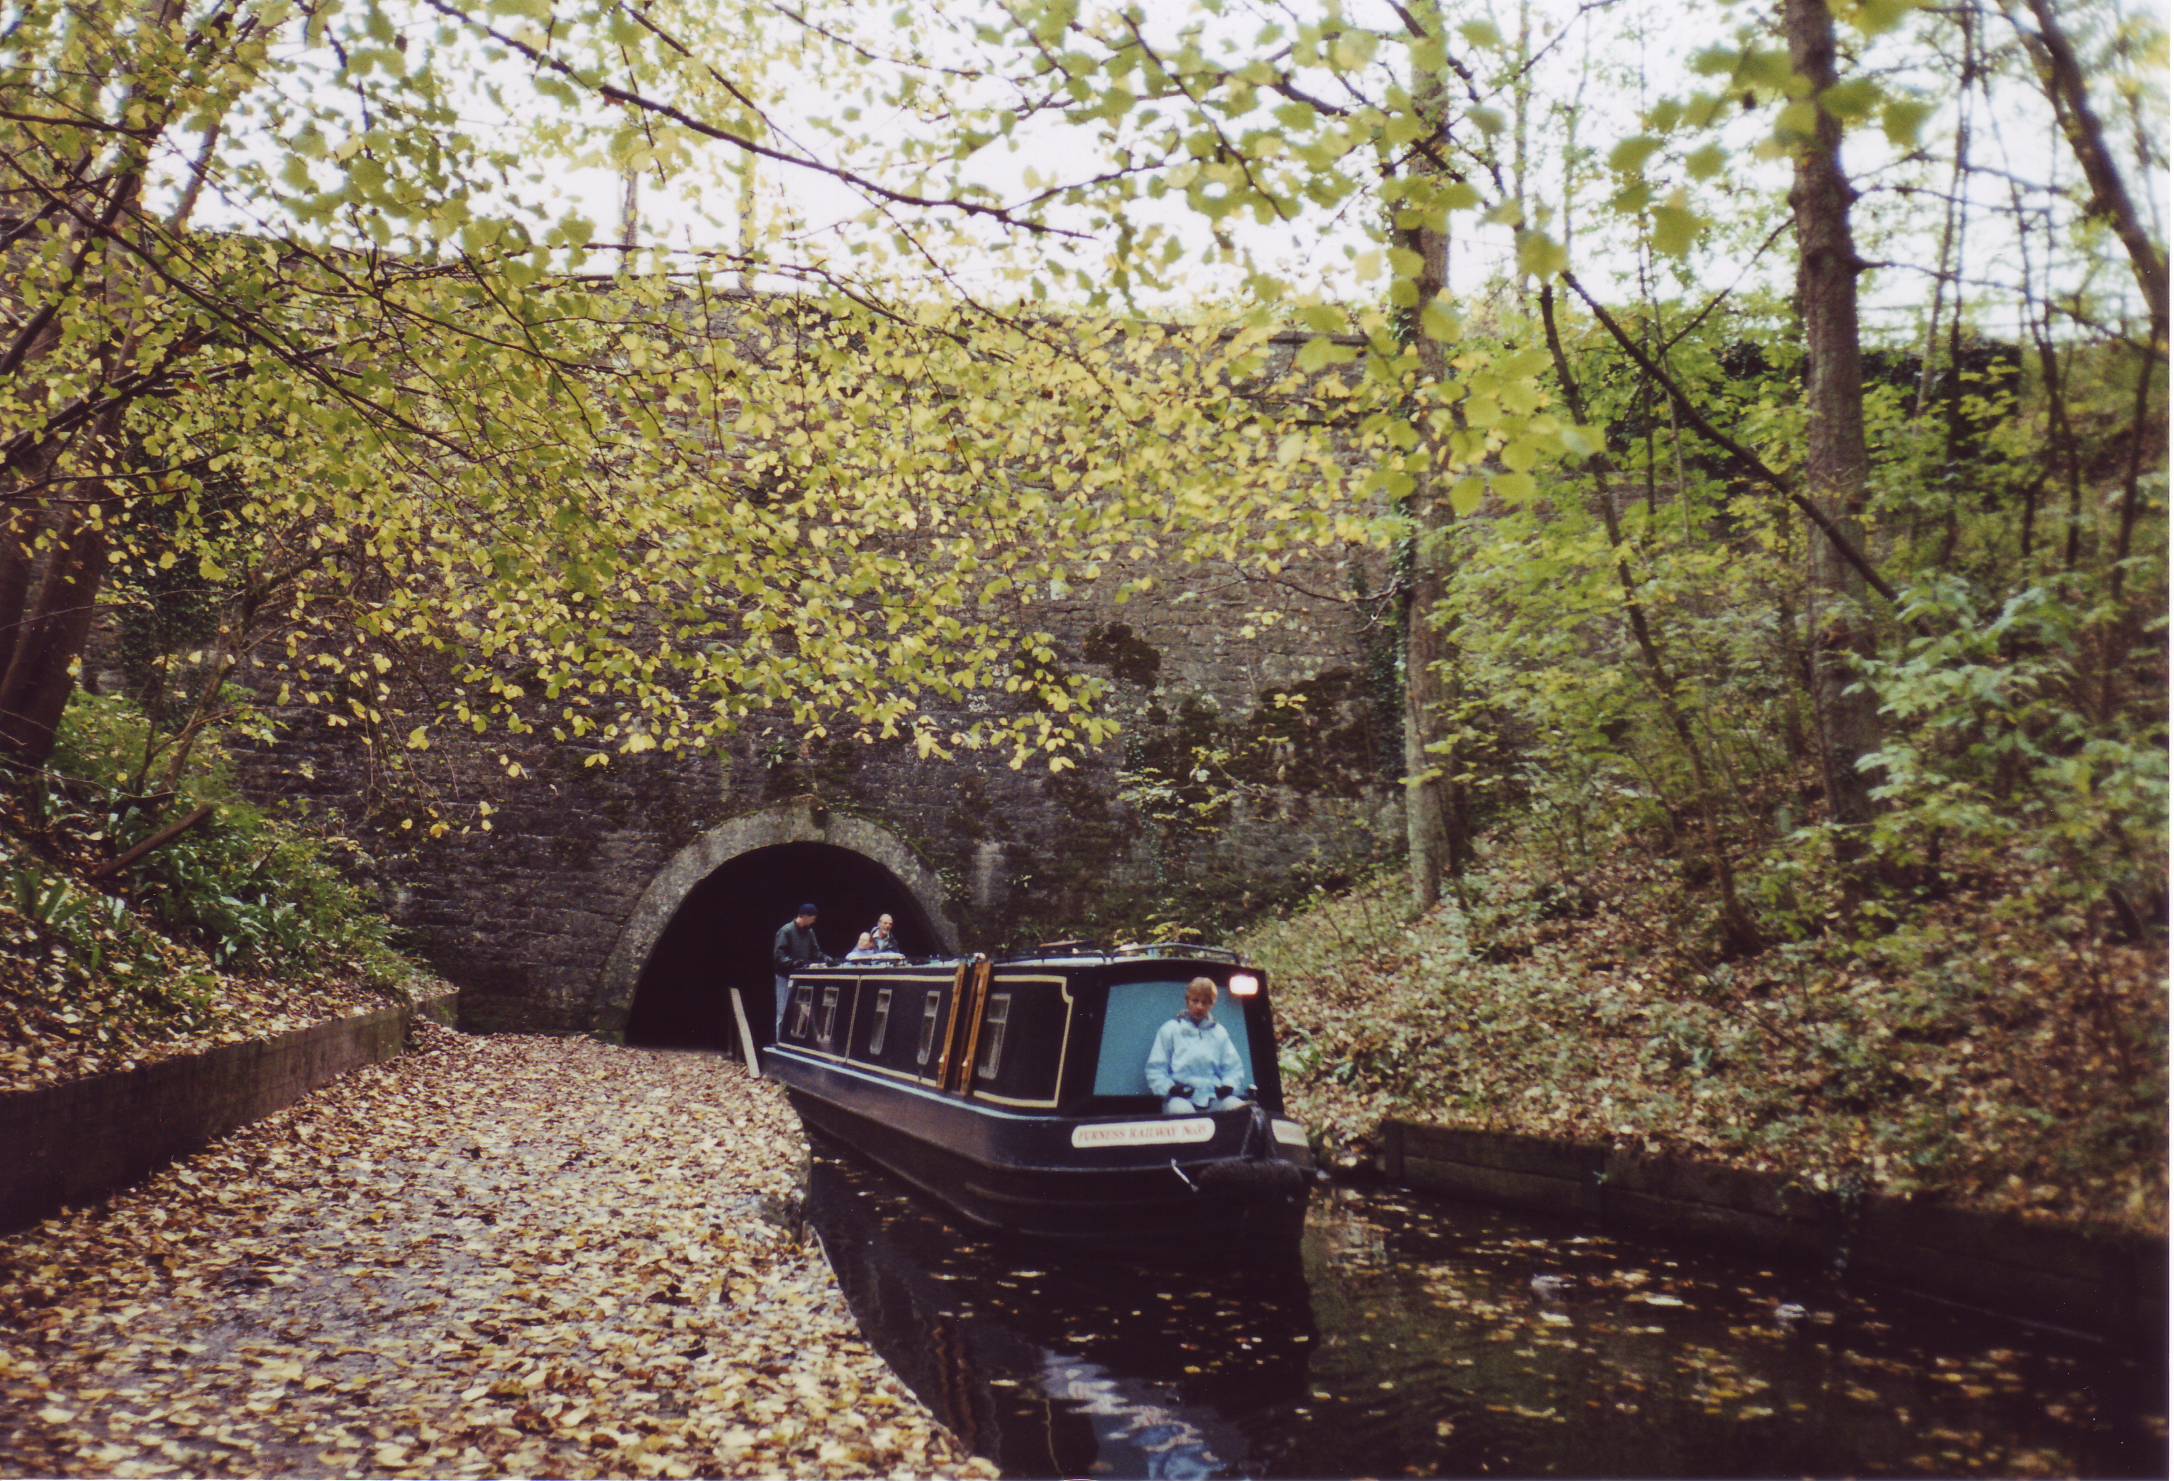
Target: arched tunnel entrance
[(720, 937), (705, 921)]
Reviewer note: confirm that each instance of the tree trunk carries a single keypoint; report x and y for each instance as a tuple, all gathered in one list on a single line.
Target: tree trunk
[(2061, 73), (2063, 77), (199, 171), (1435, 813), (1426, 800), (56, 624), (1954, 226), (1954, 254), (19, 525), (630, 208), (52, 549), (1835, 460), (1434, 807)]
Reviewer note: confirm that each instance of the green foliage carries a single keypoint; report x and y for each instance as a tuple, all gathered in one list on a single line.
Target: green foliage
[(426, 435), (244, 925), (1966, 995), (265, 896), (260, 894), (1994, 749)]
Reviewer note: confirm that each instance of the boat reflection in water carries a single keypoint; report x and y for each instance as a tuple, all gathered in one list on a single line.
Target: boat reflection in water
[(1422, 1337), (1053, 1364)]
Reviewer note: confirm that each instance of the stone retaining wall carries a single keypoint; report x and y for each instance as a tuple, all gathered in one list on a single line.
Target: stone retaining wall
[(524, 918), (2108, 1284), (81, 1139)]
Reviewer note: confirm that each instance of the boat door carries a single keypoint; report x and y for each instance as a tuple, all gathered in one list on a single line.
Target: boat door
[(962, 1037)]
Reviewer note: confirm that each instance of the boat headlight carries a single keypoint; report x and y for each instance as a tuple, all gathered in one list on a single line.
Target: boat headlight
[(1244, 984)]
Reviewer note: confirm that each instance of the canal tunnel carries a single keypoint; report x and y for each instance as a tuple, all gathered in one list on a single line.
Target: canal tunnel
[(720, 936)]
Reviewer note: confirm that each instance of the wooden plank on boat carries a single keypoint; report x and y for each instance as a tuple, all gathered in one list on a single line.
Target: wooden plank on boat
[(978, 1002), (951, 1022)]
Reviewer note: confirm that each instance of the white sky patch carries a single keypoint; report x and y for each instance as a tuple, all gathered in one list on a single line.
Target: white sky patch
[(1602, 69)]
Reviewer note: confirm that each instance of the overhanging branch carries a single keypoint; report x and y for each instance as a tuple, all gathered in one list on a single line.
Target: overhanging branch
[(1743, 459)]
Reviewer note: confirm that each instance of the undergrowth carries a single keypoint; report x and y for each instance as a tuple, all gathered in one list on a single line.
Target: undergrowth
[(1964, 1049), (241, 926)]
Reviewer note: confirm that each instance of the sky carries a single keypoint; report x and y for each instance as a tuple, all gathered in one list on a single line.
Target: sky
[(1608, 60)]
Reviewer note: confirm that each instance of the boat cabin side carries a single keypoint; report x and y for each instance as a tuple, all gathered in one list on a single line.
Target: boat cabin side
[(1063, 1036)]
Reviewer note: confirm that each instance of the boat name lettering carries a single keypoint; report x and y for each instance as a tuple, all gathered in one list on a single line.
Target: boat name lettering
[(1139, 1133)]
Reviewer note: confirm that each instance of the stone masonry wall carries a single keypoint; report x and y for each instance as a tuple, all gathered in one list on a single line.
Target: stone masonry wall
[(522, 917)]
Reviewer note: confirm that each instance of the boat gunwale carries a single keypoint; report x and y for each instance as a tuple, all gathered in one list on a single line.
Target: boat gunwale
[(838, 1066)]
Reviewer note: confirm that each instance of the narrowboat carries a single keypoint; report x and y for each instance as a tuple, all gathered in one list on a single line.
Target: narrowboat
[(1015, 1092)]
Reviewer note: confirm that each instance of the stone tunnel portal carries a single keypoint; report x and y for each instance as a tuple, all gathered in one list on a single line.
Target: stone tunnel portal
[(720, 936)]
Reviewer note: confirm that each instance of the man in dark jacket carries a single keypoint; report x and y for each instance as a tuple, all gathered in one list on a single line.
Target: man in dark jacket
[(795, 943)]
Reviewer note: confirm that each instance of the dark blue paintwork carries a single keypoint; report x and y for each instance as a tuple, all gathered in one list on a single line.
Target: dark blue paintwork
[(994, 1109)]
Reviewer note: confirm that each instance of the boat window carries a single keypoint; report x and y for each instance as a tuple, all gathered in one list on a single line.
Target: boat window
[(829, 1021), (1136, 1011), (992, 1035), (803, 1010), (931, 1005), (883, 1022)]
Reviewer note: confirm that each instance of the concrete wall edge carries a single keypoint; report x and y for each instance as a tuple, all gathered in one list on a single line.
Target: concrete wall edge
[(2107, 1284), (77, 1141)]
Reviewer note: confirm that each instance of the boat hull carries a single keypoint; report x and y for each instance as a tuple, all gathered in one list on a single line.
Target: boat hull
[(1074, 1181)]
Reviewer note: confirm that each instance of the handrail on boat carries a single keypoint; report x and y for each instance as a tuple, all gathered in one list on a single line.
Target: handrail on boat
[(1138, 949), (1132, 951)]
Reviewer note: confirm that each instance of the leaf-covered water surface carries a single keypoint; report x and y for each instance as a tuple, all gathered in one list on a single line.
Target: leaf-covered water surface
[(1418, 1336), (514, 1256)]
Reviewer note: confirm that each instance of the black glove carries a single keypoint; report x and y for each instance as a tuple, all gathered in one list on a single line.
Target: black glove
[(1183, 1092), (1224, 1092)]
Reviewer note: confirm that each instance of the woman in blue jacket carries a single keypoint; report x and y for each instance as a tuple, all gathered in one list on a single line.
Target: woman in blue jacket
[(1194, 1066)]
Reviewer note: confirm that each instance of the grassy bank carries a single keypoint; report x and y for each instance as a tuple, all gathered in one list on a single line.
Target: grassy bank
[(244, 925), (1963, 1049)]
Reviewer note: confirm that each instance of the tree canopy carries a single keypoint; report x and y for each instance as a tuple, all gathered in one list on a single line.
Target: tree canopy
[(314, 364)]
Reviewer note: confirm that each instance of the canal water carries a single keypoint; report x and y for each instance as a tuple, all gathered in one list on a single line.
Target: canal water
[(1413, 1336)]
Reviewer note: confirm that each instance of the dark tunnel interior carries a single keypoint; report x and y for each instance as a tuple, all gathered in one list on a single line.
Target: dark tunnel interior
[(721, 935)]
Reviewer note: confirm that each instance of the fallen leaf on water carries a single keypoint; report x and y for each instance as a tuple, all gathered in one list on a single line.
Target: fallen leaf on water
[(499, 1255)]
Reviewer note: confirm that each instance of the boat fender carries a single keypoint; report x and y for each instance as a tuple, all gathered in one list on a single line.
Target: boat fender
[(1190, 1185), (1252, 1175)]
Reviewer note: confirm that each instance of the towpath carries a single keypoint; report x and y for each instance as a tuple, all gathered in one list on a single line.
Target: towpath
[(503, 1255)]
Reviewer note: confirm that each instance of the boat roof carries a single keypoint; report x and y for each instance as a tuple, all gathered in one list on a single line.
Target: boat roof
[(1066, 954), (1090, 954)]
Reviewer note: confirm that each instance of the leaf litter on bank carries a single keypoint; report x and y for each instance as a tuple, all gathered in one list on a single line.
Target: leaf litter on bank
[(496, 1256), (1963, 1059)]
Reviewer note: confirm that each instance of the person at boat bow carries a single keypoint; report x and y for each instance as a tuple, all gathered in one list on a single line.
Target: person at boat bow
[(885, 935), (1194, 1066), (795, 943)]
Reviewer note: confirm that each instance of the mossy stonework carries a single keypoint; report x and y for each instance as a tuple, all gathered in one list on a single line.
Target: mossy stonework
[(1253, 765)]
